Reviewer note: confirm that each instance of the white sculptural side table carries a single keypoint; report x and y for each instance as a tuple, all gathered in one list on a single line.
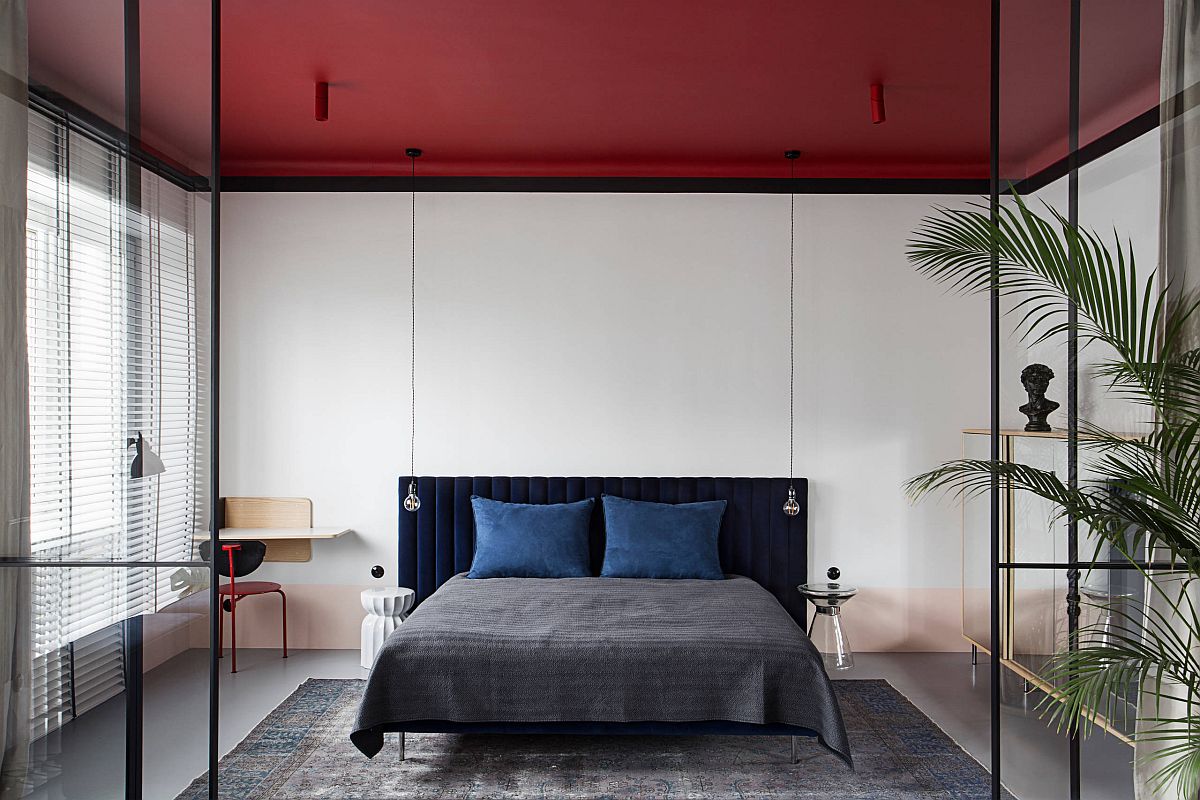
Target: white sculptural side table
[(386, 608)]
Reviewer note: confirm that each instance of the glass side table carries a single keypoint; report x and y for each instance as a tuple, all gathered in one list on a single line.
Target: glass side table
[(1101, 604), (826, 629)]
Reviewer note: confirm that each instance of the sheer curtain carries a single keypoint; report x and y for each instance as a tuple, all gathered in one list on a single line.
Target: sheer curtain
[(1179, 259), (1180, 134), (14, 419)]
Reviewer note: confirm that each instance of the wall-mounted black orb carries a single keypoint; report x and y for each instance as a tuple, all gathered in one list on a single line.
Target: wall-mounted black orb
[(376, 571), (834, 573)]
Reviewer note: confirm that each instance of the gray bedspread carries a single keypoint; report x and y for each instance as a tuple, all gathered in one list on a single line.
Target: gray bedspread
[(599, 650)]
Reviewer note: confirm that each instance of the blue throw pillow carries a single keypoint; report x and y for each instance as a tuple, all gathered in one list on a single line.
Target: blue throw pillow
[(661, 540), (519, 540)]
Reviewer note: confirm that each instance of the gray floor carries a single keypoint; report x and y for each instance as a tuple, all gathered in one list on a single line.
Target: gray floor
[(1034, 763), (945, 686)]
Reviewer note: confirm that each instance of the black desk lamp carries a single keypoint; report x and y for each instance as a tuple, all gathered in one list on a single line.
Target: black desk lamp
[(146, 462)]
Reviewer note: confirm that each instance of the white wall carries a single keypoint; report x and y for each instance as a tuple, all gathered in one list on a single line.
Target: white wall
[(600, 334)]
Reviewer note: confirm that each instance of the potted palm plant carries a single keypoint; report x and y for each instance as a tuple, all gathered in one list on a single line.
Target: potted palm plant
[(1144, 493)]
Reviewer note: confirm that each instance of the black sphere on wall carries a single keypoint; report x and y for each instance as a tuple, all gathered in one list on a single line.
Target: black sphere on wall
[(376, 571)]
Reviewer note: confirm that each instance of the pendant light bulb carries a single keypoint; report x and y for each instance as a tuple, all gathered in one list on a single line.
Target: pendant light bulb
[(791, 507), (412, 502)]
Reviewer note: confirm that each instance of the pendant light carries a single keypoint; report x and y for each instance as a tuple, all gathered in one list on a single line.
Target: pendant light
[(412, 502), (791, 506)]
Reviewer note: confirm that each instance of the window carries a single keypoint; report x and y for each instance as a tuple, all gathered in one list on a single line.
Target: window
[(113, 332)]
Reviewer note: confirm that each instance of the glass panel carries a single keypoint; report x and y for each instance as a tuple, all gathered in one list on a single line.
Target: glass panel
[(176, 82), (1119, 195), (77, 52), (176, 666), (1034, 758), (1038, 596), (139, 230), (175, 127), (977, 557), (1038, 630), (1120, 60), (86, 690), (1033, 87)]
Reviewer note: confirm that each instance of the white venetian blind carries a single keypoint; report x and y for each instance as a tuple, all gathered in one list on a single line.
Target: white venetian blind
[(112, 326)]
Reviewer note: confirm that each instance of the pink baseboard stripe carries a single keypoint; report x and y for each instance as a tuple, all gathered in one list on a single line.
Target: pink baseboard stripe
[(905, 620), (321, 616)]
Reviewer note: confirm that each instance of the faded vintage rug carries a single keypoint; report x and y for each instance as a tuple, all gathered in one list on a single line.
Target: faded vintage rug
[(302, 750)]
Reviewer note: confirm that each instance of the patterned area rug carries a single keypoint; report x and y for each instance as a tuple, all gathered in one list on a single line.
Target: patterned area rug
[(302, 750)]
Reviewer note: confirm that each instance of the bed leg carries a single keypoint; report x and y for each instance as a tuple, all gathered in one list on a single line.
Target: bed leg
[(974, 655), (793, 749), (401, 745)]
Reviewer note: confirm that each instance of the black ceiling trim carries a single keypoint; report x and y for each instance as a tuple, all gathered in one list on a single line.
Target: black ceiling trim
[(432, 183), (1141, 124), (1165, 112)]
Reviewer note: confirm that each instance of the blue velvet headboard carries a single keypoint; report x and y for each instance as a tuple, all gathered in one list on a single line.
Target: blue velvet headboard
[(757, 539)]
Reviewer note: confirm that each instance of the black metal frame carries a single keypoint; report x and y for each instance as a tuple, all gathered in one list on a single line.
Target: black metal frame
[(1067, 167), (128, 145), (994, 379), (1073, 376), (215, 508), (132, 640)]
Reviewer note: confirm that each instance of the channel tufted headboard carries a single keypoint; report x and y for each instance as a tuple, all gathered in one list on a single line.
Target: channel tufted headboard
[(757, 539)]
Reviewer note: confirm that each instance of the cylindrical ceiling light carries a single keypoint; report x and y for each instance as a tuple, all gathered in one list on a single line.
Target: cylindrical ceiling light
[(878, 112), (321, 104)]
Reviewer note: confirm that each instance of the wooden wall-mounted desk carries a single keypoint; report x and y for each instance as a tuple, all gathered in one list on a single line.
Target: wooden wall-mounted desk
[(283, 523), (283, 544)]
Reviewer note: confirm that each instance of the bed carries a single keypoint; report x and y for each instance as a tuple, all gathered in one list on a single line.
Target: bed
[(594, 655)]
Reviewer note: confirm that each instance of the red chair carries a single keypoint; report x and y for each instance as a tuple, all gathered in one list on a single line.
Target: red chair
[(244, 558)]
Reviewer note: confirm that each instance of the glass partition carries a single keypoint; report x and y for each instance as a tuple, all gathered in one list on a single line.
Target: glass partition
[(113, 594), (1079, 93), (1037, 623), (88, 691), (976, 553)]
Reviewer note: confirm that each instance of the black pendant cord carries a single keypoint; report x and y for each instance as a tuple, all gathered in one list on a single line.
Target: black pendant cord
[(411, 501), (791, 506), (792, 328), (412, 440)]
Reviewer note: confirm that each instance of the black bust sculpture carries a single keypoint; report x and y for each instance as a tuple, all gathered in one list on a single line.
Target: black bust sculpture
[(1036, 380)]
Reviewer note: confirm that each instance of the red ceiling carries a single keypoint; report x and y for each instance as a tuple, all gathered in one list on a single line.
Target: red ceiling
[(620, 87)]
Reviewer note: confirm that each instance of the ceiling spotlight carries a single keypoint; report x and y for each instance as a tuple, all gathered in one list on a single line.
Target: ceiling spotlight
[(321, 111), (878, 113)]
